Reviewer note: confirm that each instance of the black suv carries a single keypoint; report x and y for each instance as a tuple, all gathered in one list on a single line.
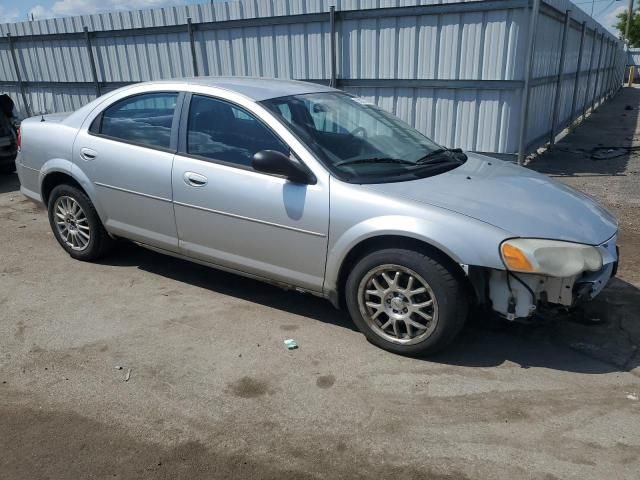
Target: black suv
[(8, 135)]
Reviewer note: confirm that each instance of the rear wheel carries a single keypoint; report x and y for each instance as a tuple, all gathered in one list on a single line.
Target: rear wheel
[(76, 225), (406, 302)]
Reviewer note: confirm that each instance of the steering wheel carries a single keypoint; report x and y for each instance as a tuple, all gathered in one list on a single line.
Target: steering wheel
[(358, 130)]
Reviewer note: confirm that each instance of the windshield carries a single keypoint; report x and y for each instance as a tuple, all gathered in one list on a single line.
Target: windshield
[(360, 142)]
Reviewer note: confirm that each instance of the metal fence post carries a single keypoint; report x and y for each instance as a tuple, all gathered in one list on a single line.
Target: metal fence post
[(612, 66), (576, 82), (605, 74), (595, 84), (92, 62), (605, 79), (18, 76), (332, 27), (556, 101), (528, 73), (621, 62), (194, 61), (590, 71), (612, 72)]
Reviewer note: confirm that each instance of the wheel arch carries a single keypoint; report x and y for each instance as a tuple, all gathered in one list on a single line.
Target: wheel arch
[(380, 242), (52, 179), (57, 171)]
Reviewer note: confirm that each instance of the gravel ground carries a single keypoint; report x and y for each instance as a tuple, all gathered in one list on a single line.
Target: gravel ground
[(213, 393)]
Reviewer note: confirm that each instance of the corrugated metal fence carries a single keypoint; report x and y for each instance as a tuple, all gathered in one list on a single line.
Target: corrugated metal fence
[(493, 76)]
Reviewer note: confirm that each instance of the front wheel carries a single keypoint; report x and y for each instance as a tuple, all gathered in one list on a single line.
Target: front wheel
[(76, 225), (405, 301)]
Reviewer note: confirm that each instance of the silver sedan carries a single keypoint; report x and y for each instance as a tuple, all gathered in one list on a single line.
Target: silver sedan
[(311, 188)]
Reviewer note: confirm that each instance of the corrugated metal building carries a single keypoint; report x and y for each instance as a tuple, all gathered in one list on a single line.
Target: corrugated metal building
[(633, 60), (466, 73)]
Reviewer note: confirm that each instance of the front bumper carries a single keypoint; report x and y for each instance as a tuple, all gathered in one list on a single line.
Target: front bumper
[(519, 295), (590, 284)]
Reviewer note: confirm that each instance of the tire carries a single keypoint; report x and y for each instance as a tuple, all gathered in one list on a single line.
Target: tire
[(444, 299), (70, 205)]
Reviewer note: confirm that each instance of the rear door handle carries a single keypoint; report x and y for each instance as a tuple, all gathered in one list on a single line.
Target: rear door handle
[(194, 179), (88, 154)]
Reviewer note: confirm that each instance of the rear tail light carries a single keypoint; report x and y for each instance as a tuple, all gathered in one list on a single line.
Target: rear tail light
[(19, 139)]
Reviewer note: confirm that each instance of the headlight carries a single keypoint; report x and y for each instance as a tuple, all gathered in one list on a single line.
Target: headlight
[(549, 257)]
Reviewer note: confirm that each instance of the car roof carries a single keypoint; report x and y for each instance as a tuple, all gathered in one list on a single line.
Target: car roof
[(256, 88)]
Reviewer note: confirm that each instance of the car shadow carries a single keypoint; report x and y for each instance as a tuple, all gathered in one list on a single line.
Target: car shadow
[(307, 305), (9, 183), (600, 336), (481, 344)]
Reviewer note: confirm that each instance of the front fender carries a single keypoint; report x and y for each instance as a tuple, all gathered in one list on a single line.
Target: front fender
[(464, 239)]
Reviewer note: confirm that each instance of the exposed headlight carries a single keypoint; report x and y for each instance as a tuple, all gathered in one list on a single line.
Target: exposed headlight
[(549, 257)]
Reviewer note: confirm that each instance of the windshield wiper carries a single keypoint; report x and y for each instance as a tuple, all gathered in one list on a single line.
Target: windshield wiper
[(432, 156), (373, 160), (453, 155)]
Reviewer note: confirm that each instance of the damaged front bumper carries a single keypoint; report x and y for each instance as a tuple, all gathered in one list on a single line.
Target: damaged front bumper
[(518, 295)]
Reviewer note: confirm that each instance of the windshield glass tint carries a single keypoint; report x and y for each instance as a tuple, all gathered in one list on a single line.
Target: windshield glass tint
[(358, 141)]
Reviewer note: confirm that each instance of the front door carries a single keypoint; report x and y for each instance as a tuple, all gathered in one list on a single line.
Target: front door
[(127, 152), (233, 216)]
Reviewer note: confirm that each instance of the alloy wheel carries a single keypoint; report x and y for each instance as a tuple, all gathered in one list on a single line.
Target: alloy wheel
[(71, 223), (398, 304)]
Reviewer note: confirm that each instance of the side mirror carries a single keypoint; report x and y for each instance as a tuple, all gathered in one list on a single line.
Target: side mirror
[(277, 163)]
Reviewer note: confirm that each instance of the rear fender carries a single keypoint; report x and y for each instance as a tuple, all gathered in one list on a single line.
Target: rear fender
[(59, 165)]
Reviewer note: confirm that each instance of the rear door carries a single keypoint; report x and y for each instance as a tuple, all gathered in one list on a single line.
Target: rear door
[(128, 153), (231, 215)]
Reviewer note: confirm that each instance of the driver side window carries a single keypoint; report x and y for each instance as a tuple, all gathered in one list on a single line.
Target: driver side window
[(222, 131)]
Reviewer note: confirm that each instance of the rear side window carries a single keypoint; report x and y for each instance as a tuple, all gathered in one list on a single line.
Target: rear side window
[(143, 119), (222, 131)]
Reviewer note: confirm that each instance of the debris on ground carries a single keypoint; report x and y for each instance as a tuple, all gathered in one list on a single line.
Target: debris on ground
[(128, 375), (118, 367), (607, 153), (569, 149), (290, 343), (628, 107), (632, 396)]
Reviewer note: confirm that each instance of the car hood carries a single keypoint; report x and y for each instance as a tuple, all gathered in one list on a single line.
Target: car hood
[(516, 199)]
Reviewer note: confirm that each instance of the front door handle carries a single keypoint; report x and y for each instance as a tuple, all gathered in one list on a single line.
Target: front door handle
[(194, 179), (88, 154)]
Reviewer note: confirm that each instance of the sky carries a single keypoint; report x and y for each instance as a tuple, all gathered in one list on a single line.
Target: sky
[(604, 11)]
